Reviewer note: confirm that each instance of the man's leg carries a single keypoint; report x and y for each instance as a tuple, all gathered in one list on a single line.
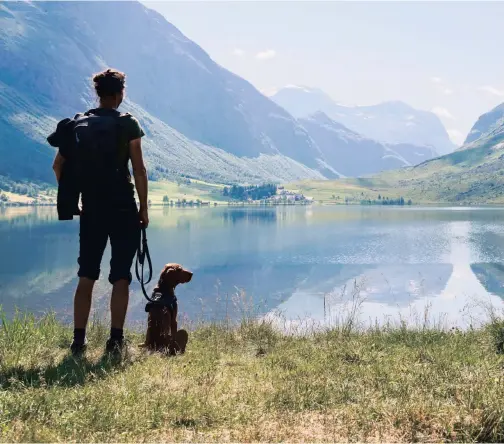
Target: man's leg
[(93, 240), (82, 302), (119, 303), (124, 240)]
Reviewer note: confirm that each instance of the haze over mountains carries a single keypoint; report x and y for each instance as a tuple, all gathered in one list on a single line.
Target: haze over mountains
[(389, 122), (356, 155), (473, 174), (200, 119)]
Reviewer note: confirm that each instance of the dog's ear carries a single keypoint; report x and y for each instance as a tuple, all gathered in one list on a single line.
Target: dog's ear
[(170, 276), (166, 276)]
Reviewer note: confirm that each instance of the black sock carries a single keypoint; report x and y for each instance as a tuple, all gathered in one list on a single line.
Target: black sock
[(79, 335), (117, 334)]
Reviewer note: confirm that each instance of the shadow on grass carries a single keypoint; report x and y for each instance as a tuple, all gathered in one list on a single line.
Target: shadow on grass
[(69, 372)]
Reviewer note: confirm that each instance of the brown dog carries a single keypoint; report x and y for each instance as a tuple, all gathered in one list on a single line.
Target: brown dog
[(162, 331)]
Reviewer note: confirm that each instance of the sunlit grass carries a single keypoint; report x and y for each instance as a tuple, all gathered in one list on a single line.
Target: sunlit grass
[(192, 191), (251, 382), (351, 191)]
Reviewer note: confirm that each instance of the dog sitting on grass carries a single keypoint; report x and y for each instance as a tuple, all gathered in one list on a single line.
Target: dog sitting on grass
[(162, 330)]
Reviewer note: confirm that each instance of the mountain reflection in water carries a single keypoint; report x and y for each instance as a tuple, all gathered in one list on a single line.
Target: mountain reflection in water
[(299, 262)]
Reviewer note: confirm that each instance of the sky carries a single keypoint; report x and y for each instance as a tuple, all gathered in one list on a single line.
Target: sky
[(439, 56)]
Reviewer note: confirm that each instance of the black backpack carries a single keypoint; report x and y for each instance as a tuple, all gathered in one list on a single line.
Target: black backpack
[(90, 144), (97, 140)]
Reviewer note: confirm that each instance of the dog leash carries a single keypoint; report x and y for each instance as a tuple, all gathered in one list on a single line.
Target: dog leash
[(142, 254)]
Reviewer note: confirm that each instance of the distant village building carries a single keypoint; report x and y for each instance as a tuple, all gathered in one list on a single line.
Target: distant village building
[(289, 196)]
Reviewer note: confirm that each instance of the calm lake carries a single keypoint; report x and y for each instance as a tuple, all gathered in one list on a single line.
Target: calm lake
[(296, 264)]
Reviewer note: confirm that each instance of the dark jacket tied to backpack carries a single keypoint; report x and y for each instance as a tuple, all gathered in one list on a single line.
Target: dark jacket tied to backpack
[(68, 188), (95, 148)]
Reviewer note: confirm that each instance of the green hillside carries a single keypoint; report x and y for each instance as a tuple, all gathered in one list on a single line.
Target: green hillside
[(472, 175)]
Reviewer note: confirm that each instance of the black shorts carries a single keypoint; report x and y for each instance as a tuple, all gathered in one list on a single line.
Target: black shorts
[(96, 227)]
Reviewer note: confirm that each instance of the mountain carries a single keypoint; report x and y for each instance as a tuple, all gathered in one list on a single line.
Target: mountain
[(388, 122), (355, 155), (200, 119), (170, 153), (474, 174), (486, 123), (303, 101)]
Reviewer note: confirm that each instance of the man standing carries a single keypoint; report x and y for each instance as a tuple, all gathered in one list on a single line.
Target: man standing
[(104, 141)]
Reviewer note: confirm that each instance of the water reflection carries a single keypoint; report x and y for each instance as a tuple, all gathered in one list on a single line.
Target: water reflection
[(491, 277), (259, 216), (448, 293), (301, 261)]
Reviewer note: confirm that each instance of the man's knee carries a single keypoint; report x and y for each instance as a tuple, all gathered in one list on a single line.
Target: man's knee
[(120, 278), (85, 282)]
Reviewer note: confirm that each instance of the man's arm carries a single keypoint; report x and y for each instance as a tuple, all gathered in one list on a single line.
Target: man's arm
[(59, 160), (140, 175)]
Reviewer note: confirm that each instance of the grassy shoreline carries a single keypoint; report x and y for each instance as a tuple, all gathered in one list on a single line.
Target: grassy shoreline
[(252, 383)]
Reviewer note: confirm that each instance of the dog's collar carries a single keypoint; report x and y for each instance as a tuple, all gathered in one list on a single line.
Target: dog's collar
[(163, 299)]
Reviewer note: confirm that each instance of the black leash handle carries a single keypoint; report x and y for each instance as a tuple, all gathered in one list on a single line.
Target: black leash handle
[(142, 254)]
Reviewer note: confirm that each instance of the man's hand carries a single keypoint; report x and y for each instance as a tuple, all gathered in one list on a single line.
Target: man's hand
[(144, 217)]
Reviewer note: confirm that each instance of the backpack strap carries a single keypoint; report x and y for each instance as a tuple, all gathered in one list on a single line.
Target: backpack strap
[(122, 116)]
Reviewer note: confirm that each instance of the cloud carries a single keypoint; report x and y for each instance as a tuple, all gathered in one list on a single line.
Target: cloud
[(238, 52), (442, 112), (447, 91), (456, 136), (266, 55), (491, 90), (436, 79)]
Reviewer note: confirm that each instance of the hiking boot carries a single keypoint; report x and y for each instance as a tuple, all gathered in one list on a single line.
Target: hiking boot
[(115, 346), (78, 349)]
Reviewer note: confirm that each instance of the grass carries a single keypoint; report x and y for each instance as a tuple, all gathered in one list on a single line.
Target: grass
[(342, 191), (195, 190), (44, 197), (251, 382), (157, 190)]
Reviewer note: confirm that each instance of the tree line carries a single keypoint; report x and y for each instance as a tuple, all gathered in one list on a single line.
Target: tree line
[(254, 192), (386, 201)]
